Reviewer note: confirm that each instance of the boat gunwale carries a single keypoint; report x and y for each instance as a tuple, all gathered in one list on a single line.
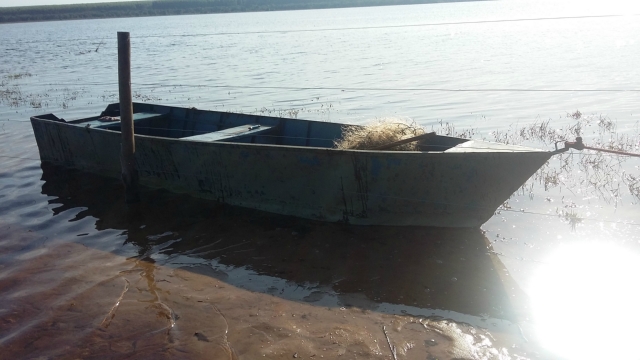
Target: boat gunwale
[(525, 150)]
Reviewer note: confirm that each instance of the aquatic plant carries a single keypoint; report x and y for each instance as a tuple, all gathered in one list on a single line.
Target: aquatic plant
[(285, 113), (18, 76), (633, 183), (448, 129), (570, 216)]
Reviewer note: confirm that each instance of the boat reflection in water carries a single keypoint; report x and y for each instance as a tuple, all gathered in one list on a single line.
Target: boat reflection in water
[(585, 301), (435, 293), (422, 271)]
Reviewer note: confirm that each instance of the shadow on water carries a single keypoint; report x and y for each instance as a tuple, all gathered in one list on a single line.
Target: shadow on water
[(419, 271)]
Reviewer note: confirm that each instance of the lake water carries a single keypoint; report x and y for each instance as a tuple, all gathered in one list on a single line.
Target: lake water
[(554, 273)]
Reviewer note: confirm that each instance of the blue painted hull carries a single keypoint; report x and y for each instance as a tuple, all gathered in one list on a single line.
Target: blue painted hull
[(454, 187)]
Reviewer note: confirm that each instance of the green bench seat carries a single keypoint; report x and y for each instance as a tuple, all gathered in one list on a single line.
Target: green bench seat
[(231, 134)]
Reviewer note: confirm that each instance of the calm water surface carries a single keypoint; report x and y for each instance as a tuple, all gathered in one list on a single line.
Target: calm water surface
[(178, 277)]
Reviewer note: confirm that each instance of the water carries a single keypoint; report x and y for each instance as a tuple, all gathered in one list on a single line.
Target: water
[(181, 276)]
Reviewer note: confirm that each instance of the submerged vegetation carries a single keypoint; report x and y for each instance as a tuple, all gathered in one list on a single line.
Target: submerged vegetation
[(180, 7), (13, 96)]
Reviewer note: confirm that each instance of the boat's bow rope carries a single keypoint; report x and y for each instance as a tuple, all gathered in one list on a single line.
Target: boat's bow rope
[(579, 145)]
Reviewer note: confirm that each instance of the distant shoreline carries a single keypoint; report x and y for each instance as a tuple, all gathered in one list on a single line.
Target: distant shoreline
[(132, 9)]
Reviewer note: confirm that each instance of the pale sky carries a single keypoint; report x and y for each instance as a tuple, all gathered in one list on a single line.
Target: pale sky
[(7, 3)]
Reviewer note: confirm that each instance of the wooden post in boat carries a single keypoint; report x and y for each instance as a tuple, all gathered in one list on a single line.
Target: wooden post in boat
[(127, 146)]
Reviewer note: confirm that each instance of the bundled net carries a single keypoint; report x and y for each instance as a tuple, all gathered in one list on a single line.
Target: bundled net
[(382, 132)]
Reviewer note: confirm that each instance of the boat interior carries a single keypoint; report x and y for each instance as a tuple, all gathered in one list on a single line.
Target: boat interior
[(209, 126)]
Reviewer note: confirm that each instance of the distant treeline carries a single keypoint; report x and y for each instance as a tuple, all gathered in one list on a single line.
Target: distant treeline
[(180, 7)]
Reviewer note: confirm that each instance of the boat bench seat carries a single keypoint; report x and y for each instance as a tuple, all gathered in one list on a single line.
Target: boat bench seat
[(115, 121), (231, 134)]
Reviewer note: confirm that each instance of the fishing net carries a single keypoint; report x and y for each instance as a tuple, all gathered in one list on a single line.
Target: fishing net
[(381, 132)]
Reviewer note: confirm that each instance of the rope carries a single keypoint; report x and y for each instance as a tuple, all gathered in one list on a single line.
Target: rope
[(614, 153), (579, 145), (303, 88), (618, 152), (347, 28), (334, 88), (275, 136)]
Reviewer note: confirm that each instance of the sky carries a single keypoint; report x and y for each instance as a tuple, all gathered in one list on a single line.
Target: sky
[(7, 3)]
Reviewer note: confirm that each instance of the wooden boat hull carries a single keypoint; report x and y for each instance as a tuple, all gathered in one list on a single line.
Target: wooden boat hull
[(442, 189)]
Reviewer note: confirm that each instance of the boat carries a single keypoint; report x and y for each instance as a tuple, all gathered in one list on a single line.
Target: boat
[(291, 166)]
